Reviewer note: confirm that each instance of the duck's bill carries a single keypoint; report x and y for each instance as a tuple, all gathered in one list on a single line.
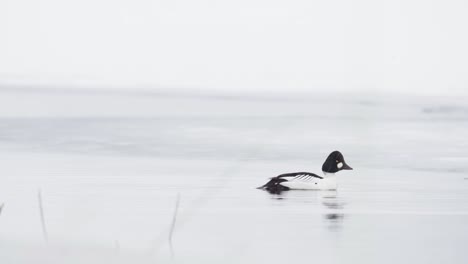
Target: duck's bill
[(346, 167)]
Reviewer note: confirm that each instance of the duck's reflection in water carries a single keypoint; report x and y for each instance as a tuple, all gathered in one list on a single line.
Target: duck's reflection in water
[(333, 209), (332, 205)]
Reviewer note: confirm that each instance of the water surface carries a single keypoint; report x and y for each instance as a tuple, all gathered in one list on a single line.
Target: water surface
[(110, 168)]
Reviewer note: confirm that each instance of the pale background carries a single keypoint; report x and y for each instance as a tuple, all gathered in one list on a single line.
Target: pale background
[(409, 46)]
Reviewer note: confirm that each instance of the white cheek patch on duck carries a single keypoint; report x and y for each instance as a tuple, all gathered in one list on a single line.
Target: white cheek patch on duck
[(339, 165)]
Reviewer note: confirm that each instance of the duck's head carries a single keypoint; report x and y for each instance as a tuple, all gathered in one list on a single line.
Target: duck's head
[(335, 162)]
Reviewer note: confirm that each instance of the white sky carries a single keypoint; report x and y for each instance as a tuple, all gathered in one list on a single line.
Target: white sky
[(408, 45)]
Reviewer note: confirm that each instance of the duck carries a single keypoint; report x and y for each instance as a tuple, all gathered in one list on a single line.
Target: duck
[(309, 181)]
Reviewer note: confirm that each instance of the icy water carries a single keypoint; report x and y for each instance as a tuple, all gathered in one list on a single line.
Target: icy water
[(111, 166)]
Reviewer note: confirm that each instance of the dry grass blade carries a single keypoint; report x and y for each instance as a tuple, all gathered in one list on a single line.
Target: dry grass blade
[(41, 211), (174, 219)]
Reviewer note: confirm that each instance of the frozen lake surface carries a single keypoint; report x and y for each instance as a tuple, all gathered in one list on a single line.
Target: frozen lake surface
[(110, 167)]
